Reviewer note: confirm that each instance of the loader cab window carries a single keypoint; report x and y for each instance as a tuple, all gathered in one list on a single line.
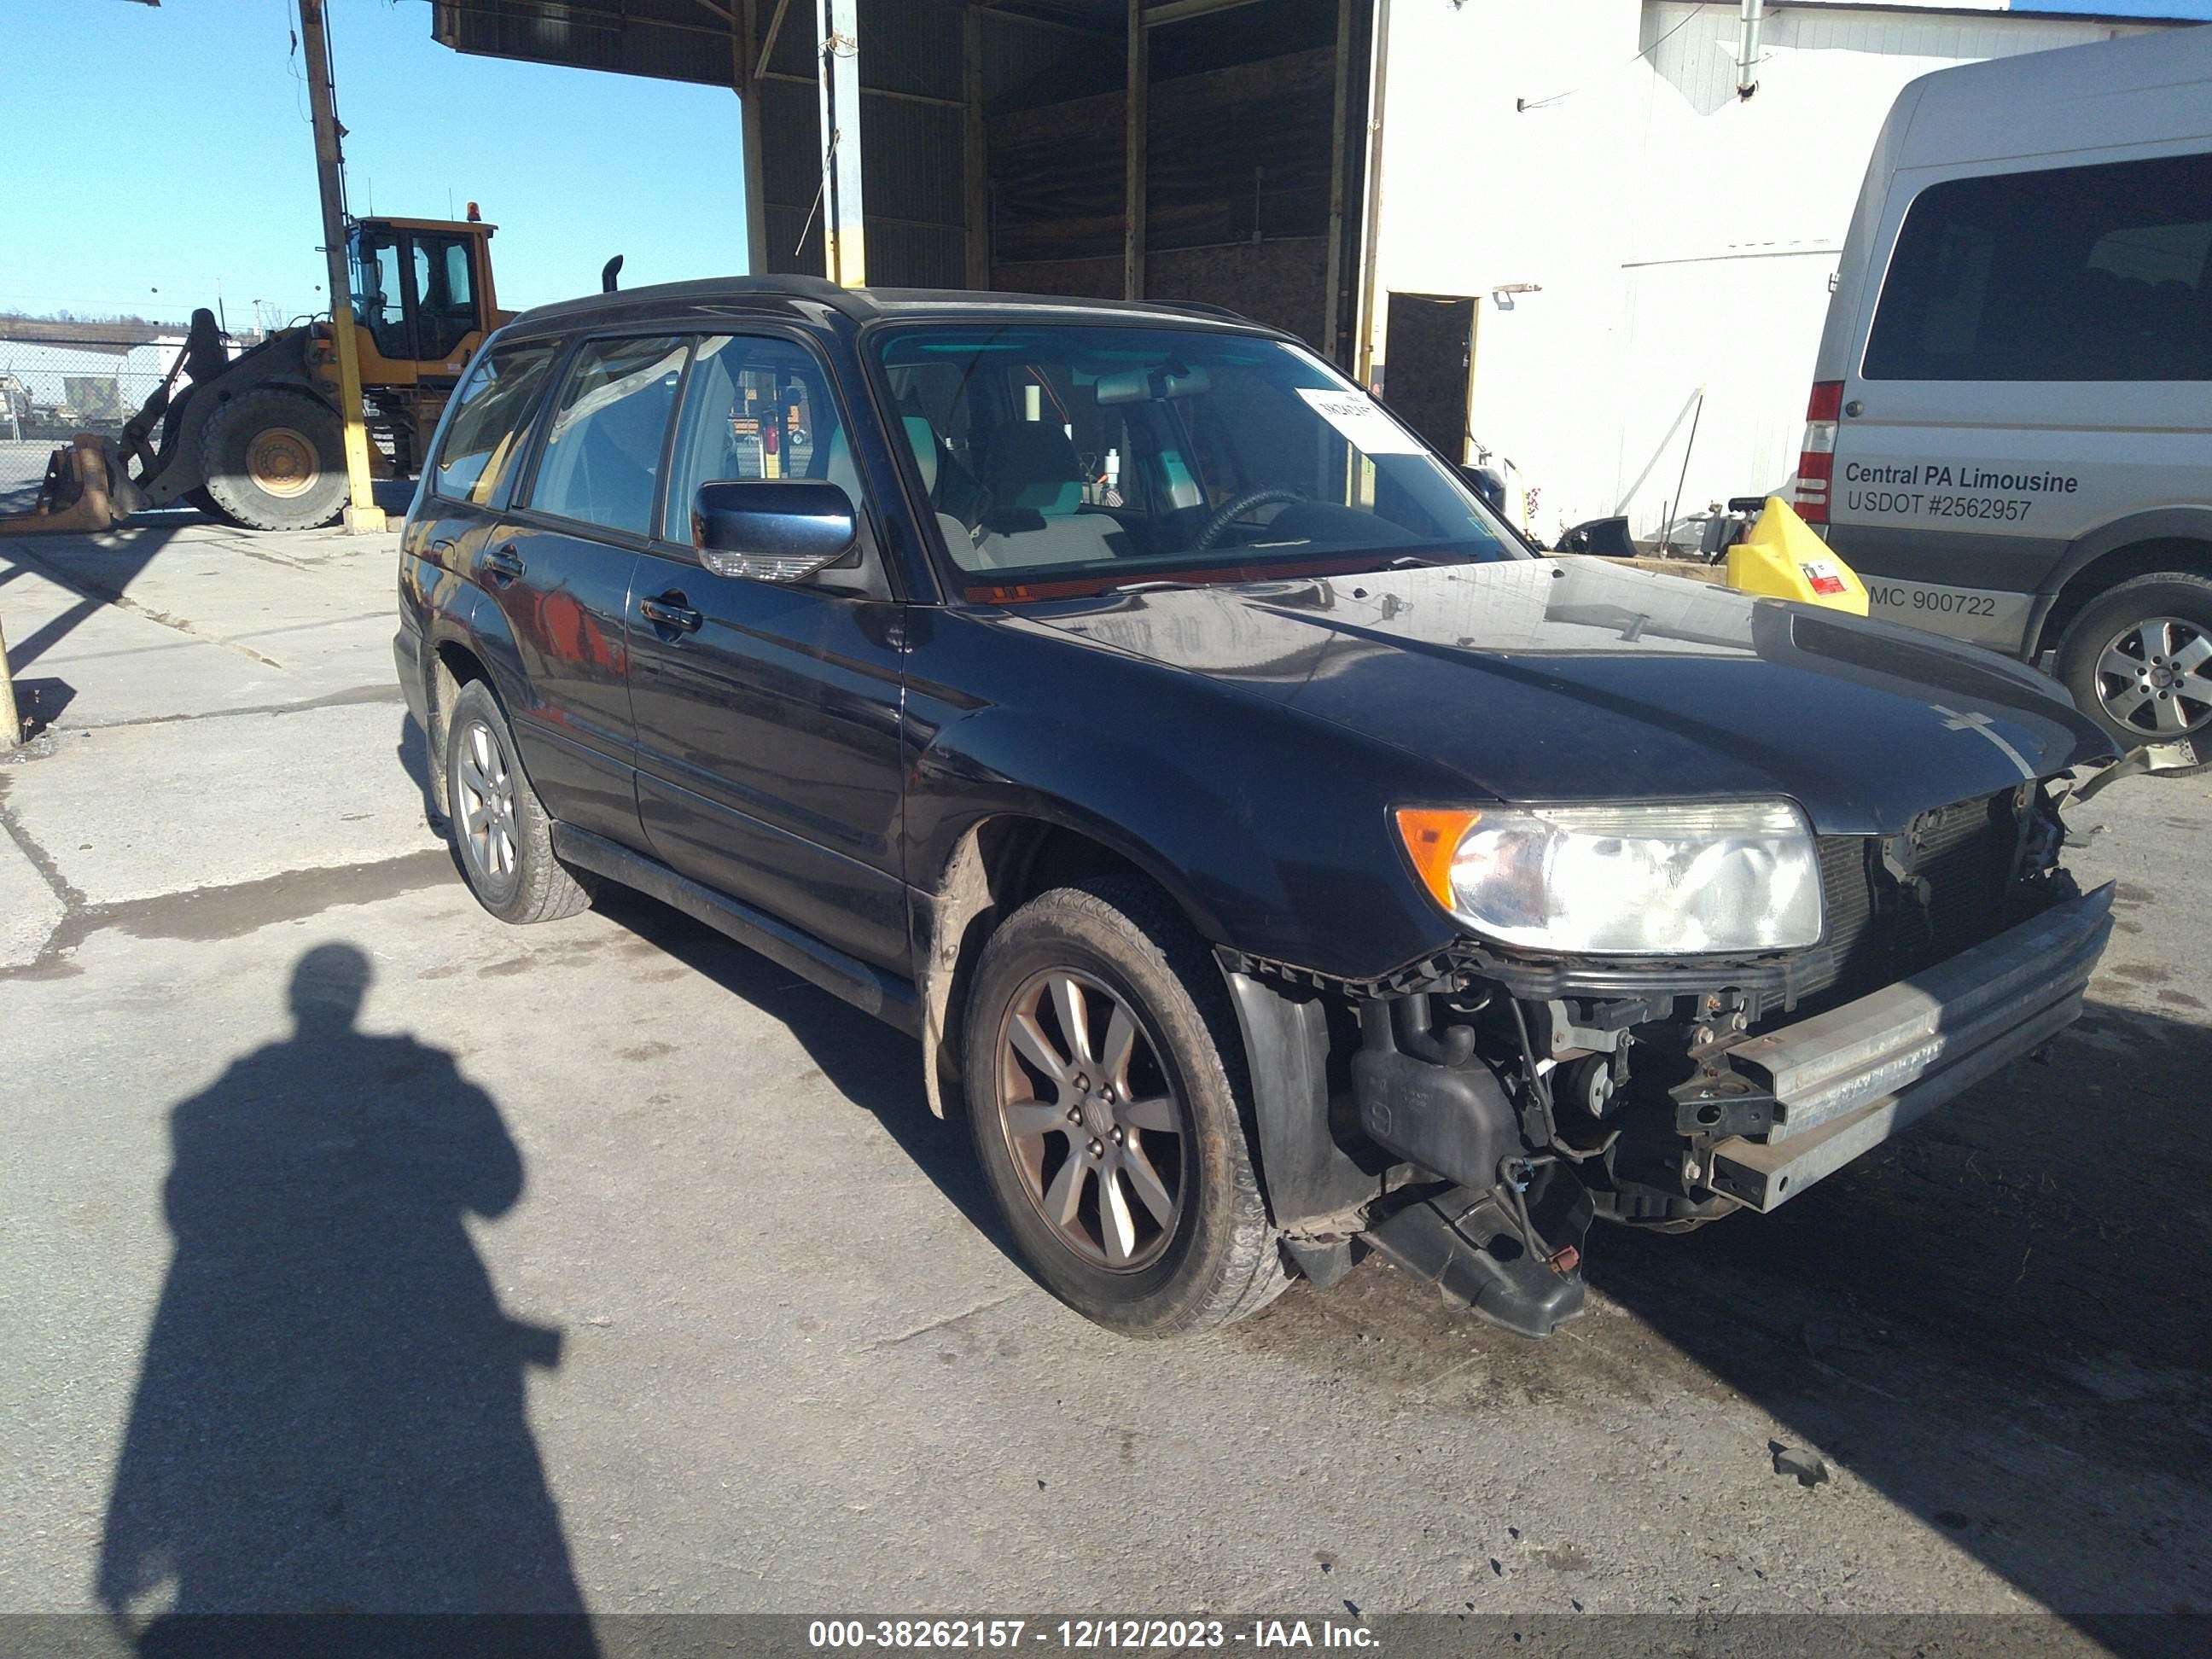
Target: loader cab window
[(379, 297), (445, 292), (415, 291)]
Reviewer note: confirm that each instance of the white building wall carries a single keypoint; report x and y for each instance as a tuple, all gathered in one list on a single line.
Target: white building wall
[(1682, 237)]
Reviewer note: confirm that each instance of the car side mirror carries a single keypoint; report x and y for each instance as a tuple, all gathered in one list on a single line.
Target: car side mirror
[(772, 530)]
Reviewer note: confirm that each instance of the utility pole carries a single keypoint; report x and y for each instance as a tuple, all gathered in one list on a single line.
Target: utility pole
[(844, 252), (363, 516), (11, 728)]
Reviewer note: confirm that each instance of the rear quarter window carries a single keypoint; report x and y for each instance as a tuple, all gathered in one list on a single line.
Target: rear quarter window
[(2089, 273), (490, 417)]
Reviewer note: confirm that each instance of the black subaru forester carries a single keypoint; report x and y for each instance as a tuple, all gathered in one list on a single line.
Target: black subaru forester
[(1275, 859)]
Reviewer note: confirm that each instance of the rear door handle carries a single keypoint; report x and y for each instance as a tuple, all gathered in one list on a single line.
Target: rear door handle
[(503, 565), (670, 611), (442, 546)]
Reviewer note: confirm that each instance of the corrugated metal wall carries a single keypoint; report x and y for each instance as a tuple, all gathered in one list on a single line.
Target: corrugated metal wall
[(1696, 45), (911, 150)]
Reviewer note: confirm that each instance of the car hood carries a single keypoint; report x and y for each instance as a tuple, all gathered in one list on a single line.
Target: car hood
[(1576, 680)]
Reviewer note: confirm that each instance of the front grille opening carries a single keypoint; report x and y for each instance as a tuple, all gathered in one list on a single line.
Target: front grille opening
[(1899, 903)]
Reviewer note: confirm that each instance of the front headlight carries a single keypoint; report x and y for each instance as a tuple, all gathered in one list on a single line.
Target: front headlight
[(1663, 879)]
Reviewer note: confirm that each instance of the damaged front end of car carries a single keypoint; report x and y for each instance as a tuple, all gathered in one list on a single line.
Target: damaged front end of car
[(1484, 1106)]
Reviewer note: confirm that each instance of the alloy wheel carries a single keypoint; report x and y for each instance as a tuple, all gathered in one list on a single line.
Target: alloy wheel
[(487, 804), (2155, 677), (1095, 1126)]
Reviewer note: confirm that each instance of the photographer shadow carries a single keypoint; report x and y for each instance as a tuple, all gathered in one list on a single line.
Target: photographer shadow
[(330, 1417)]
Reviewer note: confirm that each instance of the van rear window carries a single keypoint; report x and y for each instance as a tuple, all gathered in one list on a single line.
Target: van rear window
[(2095, 273)]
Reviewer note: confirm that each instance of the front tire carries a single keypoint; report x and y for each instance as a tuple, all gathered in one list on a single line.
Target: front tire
[(275, 460), (502, 838), (1103, 1067)]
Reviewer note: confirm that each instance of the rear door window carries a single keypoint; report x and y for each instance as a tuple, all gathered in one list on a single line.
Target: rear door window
[(2093, 273), (491, 414), (601, 464)]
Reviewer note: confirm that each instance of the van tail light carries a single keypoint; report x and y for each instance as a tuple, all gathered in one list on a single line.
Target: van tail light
[(1816, 460)]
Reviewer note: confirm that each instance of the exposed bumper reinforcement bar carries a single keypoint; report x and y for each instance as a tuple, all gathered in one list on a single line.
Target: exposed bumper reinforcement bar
[(1844, 1081)]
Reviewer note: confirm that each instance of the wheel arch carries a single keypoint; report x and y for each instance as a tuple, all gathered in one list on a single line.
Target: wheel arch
[(2177, 538), (1003, 862), (464, 642), (182, 465), (996, 865)]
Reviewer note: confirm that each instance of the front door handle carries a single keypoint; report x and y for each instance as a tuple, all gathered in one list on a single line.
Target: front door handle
[(670, 611), (503, 565)]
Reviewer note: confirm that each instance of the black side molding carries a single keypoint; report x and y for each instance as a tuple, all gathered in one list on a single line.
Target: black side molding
[(872, 991)]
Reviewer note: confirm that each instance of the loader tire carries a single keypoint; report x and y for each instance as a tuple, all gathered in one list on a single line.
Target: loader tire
[(198, 498), (275, 460)]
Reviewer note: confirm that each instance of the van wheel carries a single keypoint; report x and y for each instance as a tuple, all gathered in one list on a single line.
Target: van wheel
[(275, 460), (1102, 1065), (502, 835), (2138, 659)]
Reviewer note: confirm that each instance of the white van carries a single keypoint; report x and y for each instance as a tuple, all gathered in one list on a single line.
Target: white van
[(2010, 430)]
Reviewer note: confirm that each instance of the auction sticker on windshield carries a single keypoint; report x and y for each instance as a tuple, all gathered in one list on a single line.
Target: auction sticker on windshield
[(1367, 424)]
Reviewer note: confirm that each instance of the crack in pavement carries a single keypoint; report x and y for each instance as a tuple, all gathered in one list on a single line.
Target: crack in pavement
[(214, 912), (939, 1324), (90, 589), (352, 697)]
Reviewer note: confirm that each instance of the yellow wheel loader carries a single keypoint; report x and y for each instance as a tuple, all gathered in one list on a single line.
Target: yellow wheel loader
[(257, 438)]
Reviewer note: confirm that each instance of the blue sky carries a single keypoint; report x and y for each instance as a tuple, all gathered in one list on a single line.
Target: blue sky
[(2198, 9), (107, 196)]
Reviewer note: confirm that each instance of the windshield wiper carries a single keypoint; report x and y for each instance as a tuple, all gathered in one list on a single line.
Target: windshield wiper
[(1155, 585)]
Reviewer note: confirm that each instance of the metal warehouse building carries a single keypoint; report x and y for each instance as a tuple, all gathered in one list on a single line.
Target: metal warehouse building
[(1592, 236)]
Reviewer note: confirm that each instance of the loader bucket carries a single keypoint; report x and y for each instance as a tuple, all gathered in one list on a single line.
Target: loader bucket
[(87, 487)]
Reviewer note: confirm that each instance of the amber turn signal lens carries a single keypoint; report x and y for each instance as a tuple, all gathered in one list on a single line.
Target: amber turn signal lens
[(1433, 836)]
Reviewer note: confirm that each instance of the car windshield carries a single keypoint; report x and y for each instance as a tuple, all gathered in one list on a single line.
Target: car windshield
[(1071, 459)]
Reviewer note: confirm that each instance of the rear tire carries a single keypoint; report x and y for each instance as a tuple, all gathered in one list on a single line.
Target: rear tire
[(2138, 659), (1119, 1156), (502, 838), (275, 460)]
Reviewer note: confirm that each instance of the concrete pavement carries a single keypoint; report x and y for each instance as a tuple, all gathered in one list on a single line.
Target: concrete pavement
[(612, 1230)]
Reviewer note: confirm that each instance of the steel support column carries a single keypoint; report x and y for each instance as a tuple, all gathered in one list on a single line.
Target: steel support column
[(363, 516), (844, 246), (1332, 327), (1363, 338), (1133, 158), (974, 161), (751, 58)]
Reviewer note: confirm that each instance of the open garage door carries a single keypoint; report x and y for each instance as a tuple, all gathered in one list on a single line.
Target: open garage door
[(1205, 150)]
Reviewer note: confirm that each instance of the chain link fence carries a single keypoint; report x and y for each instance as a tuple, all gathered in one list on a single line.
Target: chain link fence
[(57, 380)]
